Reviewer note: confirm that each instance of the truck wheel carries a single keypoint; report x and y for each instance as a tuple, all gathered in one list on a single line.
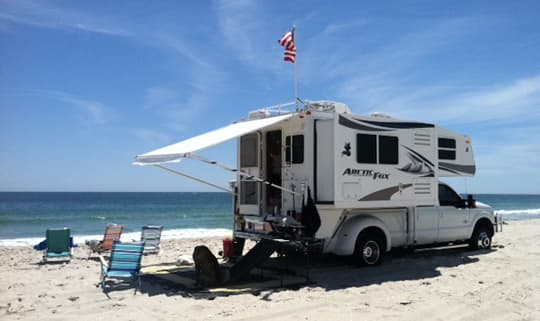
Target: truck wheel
[(481, 238), (369, 250)]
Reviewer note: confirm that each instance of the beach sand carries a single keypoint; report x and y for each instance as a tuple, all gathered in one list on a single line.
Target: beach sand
[(442, 284)]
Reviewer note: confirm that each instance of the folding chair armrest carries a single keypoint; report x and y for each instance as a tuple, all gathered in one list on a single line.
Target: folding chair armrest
[(103, 262)]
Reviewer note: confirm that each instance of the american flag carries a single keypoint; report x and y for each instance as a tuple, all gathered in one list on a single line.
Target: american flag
[(287, 41)]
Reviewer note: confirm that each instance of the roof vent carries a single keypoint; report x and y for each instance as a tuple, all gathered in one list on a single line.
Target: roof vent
[(380, 115), (327, 106), (259, 114)]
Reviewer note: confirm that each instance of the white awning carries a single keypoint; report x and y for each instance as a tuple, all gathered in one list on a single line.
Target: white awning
[(175, 152)]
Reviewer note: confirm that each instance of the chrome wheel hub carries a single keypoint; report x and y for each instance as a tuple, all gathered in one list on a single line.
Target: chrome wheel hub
[(484, 242), (371, 252)]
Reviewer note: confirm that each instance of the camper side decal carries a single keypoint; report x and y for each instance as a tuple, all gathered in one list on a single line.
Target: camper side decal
[(456, 168), (385, 194), (367, 125), (365, 173), (418, 164)]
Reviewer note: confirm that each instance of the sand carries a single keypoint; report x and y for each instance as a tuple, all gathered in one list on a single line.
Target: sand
[(441, 284)]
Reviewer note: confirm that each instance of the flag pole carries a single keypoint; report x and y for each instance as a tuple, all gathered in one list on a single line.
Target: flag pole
[(295, 72)]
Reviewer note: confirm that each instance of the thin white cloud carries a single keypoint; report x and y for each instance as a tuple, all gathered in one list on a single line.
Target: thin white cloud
[(334, 29), (383, 79), (156, 97), (387, 62), (151, 137), (236, 21), (36, 14), (96, 110), (510, 155), (515, 102), (246, 32), (93, 111), (179, 106)]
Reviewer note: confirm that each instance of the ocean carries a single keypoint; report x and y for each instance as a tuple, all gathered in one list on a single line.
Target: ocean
[(24, 216)]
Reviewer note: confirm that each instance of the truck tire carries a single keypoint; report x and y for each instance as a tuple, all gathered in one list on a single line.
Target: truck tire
[(369, 249), (481, 238)]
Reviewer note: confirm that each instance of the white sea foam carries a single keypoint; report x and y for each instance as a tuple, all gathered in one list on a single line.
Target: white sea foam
[(167, 235), (532, 211)]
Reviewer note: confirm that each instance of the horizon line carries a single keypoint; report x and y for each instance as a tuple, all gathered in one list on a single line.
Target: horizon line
[(4, 191)]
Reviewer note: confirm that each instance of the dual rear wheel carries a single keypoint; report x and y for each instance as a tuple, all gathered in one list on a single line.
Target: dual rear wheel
[(369, 250)]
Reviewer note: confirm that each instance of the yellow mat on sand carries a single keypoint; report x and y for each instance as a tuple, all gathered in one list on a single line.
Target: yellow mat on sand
[(260, 280)]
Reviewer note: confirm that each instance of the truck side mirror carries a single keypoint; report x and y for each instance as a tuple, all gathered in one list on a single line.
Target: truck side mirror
[(461, 203), (471, 202)]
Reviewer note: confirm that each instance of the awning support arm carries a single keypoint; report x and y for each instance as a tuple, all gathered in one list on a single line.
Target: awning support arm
[(249, 176), (170, 170)]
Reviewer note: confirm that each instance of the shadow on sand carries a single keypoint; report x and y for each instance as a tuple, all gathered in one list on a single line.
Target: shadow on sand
[(327, 272)]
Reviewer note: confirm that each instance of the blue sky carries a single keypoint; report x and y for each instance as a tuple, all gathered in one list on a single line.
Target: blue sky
[(87, 85)]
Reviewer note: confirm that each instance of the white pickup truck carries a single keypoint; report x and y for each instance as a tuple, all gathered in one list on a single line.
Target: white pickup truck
[(368, 234)]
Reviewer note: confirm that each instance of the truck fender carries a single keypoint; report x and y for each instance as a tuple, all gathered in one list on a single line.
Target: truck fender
[(477, 218), (348, 233)]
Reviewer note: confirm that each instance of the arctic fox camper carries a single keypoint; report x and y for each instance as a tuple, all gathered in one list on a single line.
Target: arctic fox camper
[(354, 185)]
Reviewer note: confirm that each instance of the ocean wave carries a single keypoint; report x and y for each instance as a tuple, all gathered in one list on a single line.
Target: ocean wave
[(532, 211), (167, 235)]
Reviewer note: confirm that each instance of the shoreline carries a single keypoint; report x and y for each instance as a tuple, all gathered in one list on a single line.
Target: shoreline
[(189, 233), (172, 234)]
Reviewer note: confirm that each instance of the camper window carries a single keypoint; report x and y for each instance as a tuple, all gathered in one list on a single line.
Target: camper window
[(447, 154), (447, 142), (366, 149), (294, 150), (248, 150), (447, 148), (249, 192), (388, 150)]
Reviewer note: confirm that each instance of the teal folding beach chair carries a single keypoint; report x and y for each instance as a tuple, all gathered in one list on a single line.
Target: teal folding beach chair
[(151, 237), (124, 262), (58, 244)]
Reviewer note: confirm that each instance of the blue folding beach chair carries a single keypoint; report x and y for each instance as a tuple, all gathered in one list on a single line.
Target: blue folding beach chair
[(58, 244), (124, 262)]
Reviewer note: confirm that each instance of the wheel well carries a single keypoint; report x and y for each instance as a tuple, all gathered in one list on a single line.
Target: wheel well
[(484, 222), (377, 232)]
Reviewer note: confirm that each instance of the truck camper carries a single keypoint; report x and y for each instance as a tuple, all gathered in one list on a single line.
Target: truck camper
[(318, 175)]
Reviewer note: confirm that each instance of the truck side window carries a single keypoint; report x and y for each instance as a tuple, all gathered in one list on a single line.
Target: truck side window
[(447, 196)]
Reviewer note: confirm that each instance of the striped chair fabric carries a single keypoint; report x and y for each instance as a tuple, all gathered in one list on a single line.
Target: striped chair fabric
[(124, 262), (151, 236), (113, 232)]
